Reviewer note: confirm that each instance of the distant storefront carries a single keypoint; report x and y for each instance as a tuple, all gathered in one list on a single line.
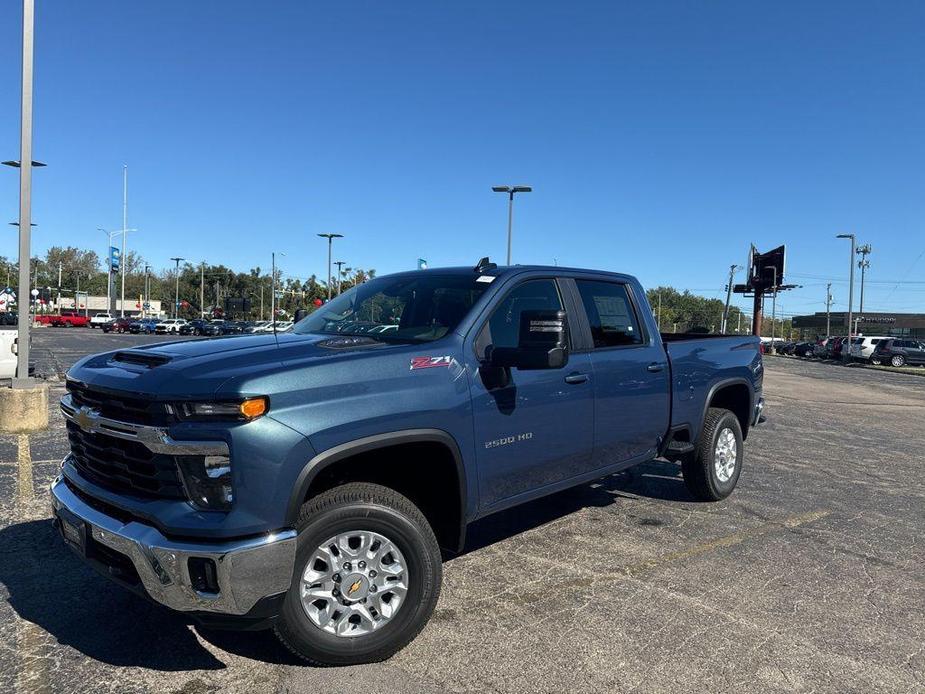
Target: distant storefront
[(888, 324)]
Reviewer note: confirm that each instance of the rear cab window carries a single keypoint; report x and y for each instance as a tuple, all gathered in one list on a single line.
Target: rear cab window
[(610, 312)]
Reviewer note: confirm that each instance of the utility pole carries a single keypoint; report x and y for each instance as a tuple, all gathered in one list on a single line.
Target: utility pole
[(863, 263), (145, 303), (846, 352), (828, 310), (273, 292), (732, 272), (658, 315), (176, 303), (339, 264), (261, 301)]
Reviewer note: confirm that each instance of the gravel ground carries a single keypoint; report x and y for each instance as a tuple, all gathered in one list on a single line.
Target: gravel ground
[(807, 579)]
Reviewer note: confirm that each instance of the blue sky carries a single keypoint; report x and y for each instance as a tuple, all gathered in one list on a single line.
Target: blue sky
[(660, 138)]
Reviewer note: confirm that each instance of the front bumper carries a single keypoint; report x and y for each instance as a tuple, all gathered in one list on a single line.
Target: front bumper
[(245, 571)]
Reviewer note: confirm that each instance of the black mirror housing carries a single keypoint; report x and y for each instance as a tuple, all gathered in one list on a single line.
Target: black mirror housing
[(542, 343)]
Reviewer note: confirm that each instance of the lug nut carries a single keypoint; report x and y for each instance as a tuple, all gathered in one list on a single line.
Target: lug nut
[(372, 573), (346, 566), (337, 578), (335, 592), (373, 589), (362, 564)]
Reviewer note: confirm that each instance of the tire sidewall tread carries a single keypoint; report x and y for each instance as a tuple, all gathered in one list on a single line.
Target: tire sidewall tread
[(698, 470)]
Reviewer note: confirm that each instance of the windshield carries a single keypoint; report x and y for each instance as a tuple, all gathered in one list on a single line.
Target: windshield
[(401, 308)]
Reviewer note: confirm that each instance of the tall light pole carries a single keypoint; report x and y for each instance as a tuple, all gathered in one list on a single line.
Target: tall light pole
[(828, 310), (25, 165), (339, 264), (110, 299), (510, 190), (846, 351), (732, 272), (863, 263), (122, 258), (273, 291), (176, 302), (330, 238), (145, 304), (202, 288)]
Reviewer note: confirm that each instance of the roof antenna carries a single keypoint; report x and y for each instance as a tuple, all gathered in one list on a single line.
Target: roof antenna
[(484, 265)]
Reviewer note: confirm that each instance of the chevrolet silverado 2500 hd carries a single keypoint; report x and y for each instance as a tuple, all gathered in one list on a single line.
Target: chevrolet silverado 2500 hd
[(307, 481)]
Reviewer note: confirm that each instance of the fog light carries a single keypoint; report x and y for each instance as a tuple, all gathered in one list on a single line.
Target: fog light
[(208, 481)]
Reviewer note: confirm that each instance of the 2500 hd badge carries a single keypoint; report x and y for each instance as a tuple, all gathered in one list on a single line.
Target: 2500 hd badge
[(299, 481)]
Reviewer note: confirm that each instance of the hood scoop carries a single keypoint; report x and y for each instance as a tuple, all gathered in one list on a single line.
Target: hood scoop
[(141, 359)]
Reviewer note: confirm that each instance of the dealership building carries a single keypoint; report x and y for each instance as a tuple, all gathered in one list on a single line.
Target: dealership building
[(886, 324)]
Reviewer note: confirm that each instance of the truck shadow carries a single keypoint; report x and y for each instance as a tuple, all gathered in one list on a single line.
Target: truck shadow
[(658, 479), (52, 589)]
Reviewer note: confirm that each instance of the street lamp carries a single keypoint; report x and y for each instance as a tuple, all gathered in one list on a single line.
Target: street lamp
[(273, 292), (510, 190), (330, 238), (176, 302), (846, 351), (863, 264), (340, 264)]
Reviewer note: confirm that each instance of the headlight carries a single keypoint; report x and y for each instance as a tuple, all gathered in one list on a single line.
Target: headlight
[(242, 410), (208, 480)]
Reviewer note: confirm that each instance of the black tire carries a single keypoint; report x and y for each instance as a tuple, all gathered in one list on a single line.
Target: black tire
[(700, 475), (371, 507), (876, 361), (897, 360)]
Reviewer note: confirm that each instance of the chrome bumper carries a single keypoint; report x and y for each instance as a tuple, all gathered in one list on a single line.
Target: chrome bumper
[(246, 570), (758, 415)]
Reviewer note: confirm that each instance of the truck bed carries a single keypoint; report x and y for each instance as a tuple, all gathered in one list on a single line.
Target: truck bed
[(700, 364)]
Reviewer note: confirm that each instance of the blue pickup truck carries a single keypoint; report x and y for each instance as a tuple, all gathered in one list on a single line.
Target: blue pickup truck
[(312, 481)]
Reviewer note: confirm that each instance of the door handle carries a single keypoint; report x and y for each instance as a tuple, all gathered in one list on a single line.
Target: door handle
[(576, 378), (655, 367)]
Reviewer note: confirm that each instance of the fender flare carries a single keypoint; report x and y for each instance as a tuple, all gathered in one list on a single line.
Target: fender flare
[(719, 385), (332, 455)]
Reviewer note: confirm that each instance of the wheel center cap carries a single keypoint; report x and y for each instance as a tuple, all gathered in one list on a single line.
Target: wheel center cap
[(355, 587)]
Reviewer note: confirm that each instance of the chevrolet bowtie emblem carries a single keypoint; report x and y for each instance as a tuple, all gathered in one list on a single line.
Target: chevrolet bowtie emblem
[(354, 587), (86, 418)]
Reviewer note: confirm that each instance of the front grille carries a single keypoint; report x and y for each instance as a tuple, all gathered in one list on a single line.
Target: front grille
[(121, 406), (124, 466)]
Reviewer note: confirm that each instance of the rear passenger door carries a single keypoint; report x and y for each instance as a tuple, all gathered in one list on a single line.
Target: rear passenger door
[(631, 390)]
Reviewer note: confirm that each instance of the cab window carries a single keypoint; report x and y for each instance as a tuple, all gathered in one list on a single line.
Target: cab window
[(610, 314)]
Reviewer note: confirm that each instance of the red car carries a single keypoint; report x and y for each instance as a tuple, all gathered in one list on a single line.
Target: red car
[(119, 325), (65, 319)]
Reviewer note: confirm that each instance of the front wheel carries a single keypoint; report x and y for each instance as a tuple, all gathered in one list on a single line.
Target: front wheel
[(875, 360), (712, 471), (366, 580)]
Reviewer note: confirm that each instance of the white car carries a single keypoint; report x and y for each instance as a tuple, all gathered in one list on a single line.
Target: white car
[(863, 347), (100, 319), (170, 325), (8, 353), (282, 326)]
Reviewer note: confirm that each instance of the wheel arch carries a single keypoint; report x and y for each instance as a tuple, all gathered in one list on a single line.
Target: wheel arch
[(349, 462), (734, 394)]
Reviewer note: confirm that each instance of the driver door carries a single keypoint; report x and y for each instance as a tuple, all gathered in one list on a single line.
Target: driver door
[(538, 429)]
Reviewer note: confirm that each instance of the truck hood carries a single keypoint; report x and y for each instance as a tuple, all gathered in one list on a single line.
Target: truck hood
[(198, 368)]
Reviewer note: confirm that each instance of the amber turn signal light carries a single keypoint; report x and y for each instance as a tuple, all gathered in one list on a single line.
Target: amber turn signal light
[(254, 407)]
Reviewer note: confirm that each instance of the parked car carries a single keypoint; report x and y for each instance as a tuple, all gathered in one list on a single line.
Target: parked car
[(99, 320), (64, 319), (213, 328), (193, 327), (9, 318), (862, 347), (170, 325), (118, 325), (804, 349), (899, 352), (284, 485), (143, 325), (256, 326)]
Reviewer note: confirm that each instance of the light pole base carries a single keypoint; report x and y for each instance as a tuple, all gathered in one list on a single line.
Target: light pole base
[(24, 407)]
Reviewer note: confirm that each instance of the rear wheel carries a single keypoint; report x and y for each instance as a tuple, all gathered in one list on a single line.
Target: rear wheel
[(712, 471), (366, 579), (898, 360)]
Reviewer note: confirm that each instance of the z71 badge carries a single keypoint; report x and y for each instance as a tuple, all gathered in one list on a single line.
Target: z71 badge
[(430, 362)]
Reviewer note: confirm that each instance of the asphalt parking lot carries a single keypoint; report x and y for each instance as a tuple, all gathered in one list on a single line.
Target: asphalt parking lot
[(809, 578)]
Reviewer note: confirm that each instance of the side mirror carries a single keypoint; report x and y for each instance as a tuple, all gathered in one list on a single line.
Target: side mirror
[(542, 343)]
